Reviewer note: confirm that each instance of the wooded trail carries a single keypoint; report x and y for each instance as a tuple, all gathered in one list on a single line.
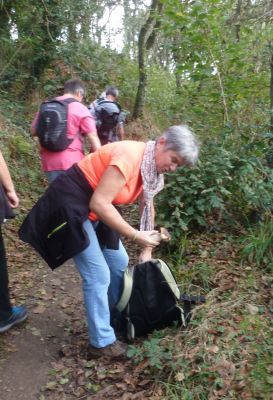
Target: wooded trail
[(45, 358)]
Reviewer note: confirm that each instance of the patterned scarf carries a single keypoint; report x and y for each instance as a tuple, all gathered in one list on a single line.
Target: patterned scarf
[(152, 184)]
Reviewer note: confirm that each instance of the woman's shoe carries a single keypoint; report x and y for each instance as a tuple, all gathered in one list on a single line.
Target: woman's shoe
[(114, 350), (19, 314)]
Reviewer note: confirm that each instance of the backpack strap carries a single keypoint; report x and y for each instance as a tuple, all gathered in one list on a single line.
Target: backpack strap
[(66, 101), (127, 289), (165, 270), (101, 102)]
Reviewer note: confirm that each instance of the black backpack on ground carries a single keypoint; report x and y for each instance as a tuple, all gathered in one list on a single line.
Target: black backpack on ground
[(51, 125), (151, 300), (107, 115)]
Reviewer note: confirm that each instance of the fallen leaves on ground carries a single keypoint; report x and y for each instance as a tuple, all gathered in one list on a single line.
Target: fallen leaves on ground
[(217, 352)]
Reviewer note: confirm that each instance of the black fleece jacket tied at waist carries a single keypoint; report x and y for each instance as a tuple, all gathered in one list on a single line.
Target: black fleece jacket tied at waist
[(54, 226)]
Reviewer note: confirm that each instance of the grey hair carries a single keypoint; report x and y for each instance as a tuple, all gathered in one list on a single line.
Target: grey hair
[(74, 86), (183, 141), (112, 91)]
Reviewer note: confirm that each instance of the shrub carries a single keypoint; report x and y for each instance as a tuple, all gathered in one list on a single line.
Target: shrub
[(226, 186)]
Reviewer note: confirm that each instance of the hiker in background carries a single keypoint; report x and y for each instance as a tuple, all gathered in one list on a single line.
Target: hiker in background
[(9, 315), (117, 173), (109, 116), (92, 106), (61, 126)]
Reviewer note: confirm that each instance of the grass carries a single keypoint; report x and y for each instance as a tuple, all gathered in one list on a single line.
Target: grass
[(258, 244)]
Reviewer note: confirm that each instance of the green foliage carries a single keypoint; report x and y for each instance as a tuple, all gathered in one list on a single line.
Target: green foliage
[(258, 335), (258, 244), (215, 72), (103, 68), (36, 29), (177, 391), (14, 113), (151, 350), (208, 57), (261, 373), (19, 150), (226, 186), (198, 276), (161, 96)]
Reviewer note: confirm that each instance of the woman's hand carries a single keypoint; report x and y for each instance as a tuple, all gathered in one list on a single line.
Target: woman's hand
[(147, 238), (145, 255), (12, 198)]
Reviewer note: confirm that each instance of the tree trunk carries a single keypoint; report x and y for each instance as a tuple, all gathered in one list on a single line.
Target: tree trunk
[(238, 22), (146, 41), (177, 56), (5, 9), (142, 83)]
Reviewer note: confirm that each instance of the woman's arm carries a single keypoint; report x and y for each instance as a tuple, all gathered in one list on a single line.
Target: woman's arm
[(6, 181), (110, 185)]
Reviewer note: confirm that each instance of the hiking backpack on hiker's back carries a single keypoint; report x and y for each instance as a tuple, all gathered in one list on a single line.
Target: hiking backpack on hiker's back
[(150, 300), (51, 125), (107, 115)]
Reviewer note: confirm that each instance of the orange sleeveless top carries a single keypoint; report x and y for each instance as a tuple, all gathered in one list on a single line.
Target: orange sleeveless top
[(127, 157)]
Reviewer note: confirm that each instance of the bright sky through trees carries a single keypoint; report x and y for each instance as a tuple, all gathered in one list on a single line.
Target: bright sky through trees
[(112, 20)]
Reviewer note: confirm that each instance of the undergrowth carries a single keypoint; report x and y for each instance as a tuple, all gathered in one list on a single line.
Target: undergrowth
[(226, 351), (230, 183), (257, 244), (20, 151)]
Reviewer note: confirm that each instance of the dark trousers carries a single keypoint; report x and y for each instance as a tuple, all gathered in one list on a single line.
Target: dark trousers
[(5, 306)]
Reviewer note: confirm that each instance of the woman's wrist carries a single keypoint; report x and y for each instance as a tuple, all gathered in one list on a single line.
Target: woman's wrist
[(134, 237), (147, 249), (9, 190)]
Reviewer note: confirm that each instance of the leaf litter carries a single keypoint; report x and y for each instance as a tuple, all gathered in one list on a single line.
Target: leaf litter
[(215, 354)]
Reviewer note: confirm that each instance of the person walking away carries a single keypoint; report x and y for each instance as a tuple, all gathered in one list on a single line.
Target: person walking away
[(109, 116), (77, 217), (78, 124), (9, 315), (92, 106)]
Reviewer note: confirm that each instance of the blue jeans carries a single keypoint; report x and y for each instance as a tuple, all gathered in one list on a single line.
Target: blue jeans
[(102, 276)]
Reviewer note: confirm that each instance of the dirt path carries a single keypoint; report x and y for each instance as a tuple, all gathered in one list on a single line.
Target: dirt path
[(45, 358), (32, 348)]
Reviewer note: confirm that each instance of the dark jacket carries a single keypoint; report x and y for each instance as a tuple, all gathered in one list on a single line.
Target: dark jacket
[(54, 226)]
